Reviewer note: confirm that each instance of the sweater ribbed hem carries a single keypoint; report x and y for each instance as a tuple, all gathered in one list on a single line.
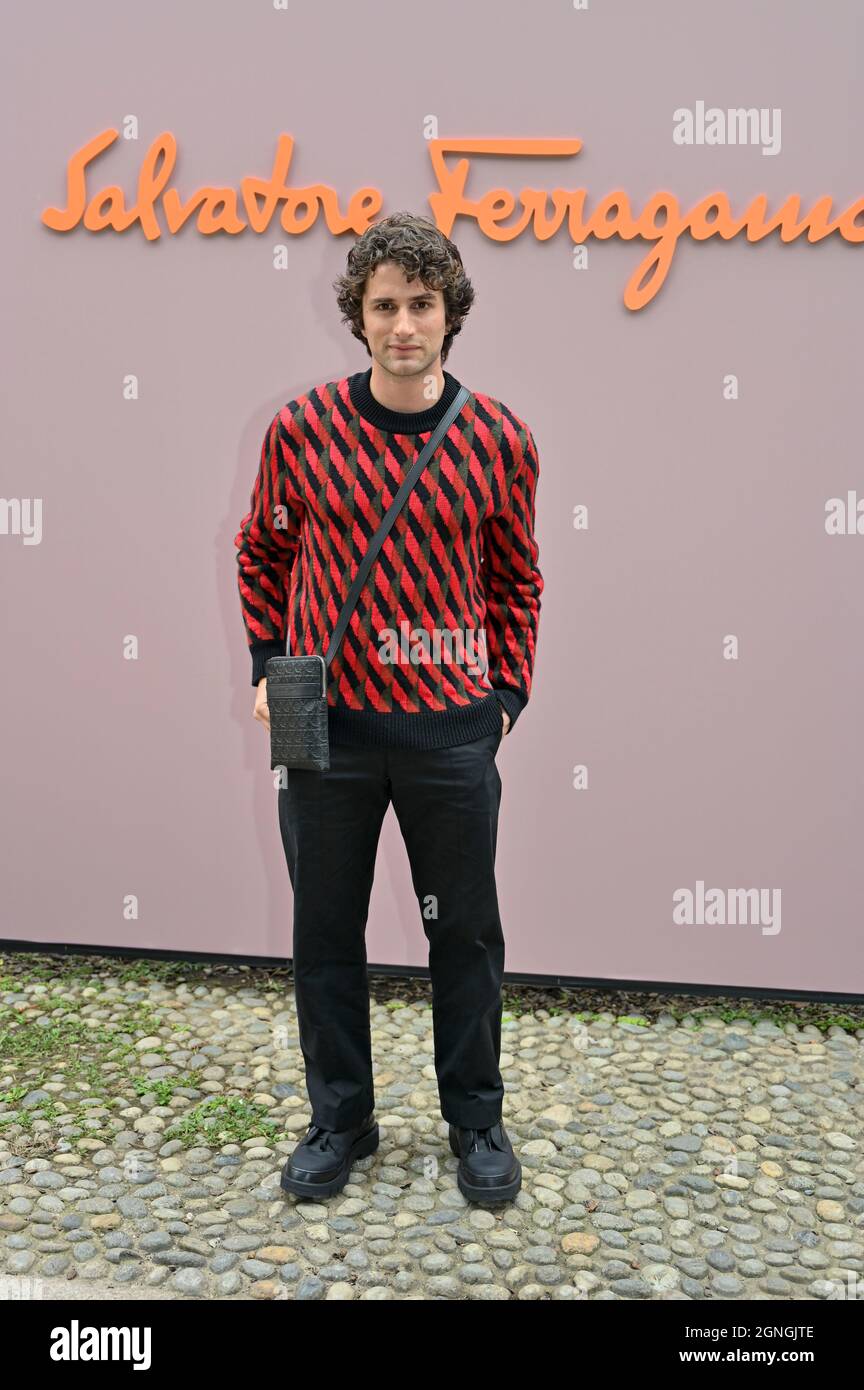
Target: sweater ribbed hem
[(438, 729)]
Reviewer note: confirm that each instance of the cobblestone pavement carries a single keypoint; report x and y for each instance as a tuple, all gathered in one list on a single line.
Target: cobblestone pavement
[(670, 1149)]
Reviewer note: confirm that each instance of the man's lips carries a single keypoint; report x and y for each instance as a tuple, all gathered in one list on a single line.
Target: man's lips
[(398, 348)]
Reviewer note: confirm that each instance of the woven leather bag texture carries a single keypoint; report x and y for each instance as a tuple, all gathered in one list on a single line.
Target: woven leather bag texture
[(297, 700)]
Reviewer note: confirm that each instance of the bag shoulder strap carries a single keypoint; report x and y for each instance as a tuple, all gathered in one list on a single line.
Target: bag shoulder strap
[(390, 516)]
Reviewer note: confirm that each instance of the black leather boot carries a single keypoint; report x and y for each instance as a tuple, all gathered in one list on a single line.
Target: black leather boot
[(321, 1163), (488, 1171)]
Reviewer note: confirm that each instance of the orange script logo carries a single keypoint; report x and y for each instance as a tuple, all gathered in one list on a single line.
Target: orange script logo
[(218, 207)]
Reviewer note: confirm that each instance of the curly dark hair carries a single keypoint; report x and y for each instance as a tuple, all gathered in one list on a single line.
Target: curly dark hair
[(418, 246)]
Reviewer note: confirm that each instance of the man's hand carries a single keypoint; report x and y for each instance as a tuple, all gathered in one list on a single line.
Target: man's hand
[(506, 722), (262, 709)]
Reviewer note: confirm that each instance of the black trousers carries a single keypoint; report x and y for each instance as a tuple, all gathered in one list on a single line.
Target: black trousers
[(446, 801)]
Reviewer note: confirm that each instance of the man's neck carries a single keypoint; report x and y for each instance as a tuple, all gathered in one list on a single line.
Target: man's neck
[(406, 394)]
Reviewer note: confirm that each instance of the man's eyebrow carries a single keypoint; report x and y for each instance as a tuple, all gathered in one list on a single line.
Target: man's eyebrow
[(388, 298)]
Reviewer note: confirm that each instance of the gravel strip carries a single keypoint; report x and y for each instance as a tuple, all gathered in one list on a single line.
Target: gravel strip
[(673, 1147)]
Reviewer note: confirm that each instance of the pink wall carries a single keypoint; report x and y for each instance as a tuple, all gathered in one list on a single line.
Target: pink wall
[(707, 515)]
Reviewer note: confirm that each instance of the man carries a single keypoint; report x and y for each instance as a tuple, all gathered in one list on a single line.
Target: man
[(415, 714)]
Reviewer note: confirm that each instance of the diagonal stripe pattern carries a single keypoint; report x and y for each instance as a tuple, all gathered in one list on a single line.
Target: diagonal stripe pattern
[(461, 561)]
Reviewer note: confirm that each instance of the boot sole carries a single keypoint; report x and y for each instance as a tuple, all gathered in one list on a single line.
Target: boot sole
[(500, 1192), (303, 1187)]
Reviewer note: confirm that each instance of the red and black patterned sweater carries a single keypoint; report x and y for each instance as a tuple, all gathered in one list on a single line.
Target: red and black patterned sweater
[(446, 624)]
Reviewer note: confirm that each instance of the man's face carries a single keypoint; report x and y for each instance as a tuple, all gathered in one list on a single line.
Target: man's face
[(403, 322)]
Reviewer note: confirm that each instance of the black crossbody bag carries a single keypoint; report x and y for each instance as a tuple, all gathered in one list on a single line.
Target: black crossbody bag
[(297, 685)]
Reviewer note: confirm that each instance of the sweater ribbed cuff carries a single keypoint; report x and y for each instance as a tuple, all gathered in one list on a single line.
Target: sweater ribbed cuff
[(514, 701), (261, 653)]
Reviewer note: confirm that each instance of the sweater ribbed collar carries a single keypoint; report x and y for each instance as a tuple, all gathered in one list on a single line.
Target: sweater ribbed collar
[(395, 421)]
